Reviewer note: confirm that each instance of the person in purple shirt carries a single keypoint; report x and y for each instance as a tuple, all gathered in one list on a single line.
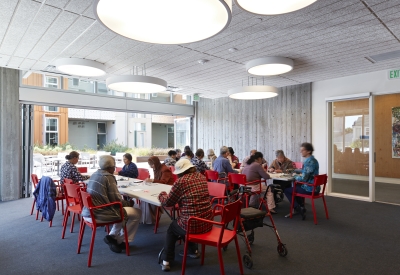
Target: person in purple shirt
[(129, 170), (254, 171)]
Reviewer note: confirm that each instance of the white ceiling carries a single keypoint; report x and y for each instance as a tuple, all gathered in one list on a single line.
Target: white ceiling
[(328, 39)]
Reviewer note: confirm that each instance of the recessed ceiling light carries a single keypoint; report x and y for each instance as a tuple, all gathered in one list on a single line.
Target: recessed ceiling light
[(138, 84), (80, 67), (271, 65), (272, 7), (253, 92), (164, 22)]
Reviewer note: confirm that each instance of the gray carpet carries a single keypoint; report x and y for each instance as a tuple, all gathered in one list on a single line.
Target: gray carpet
[(360, 238)]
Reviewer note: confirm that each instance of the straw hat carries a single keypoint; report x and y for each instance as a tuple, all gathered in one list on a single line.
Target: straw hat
[(182, 165)]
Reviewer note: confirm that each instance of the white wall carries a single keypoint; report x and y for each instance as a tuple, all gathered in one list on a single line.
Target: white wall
[(159, 135), (376, 82)]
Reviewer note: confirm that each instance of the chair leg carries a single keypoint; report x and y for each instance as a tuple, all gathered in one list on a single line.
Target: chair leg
[(64, 225), (81, 231), (126, 241), (33, 205), (238, 254), (221, 261), (91, 247), (326, 208), (203, 252), (58, 206), (292, 204), (314, 212), (72, 223), (184, 256), (50, 223)]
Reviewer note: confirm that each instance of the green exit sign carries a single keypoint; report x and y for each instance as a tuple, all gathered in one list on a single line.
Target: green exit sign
[(394, 74)]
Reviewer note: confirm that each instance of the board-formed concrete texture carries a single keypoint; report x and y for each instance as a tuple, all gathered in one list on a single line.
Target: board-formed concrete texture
[(10, 185)]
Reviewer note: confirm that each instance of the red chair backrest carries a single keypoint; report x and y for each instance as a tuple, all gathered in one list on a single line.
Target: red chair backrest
[(82, 169), (298, 165), (117, 169), (72, 192), (211, 175), (35, 180), (216, 189), (172, 168), (237, 178), (321, 180), (87, 201), (143, 173), (231, 212), (238, 165)]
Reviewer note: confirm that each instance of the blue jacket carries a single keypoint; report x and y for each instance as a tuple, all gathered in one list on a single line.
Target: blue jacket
[(45, 194), (129, 171)]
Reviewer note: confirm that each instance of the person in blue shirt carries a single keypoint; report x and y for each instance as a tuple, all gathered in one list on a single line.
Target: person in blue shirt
[(222, 164), (129, 170), (310, 169)]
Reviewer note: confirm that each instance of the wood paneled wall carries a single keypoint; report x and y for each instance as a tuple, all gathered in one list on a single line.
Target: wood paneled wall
[(38, 124), (282, 122), (385, 165)]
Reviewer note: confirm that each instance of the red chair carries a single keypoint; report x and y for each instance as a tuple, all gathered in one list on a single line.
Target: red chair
[(240, 179), (298, 165), (35, 181), (219, 236), (217, 192), (319, 180), (82, 169), (238, 165), (172, 168), (117, 169), (74, 207), (213, 175), (87, 202), (143, 173)]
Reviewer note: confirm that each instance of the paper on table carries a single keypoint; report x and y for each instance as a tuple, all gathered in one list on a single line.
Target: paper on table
[(135, 190)]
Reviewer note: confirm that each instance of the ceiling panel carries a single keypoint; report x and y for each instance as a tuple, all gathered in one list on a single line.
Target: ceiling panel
[(327, 39)]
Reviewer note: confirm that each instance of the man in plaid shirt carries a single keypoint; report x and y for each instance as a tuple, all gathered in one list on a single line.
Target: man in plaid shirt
[(190, 192)]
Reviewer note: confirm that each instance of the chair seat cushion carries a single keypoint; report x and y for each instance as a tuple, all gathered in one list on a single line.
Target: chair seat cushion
[(211, 237), (250, 213)]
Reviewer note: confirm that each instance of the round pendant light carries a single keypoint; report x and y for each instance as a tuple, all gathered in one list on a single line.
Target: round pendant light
[(271, 65), (138, 84), (80, 67), (271, 7), (253, 92), (164, 22)]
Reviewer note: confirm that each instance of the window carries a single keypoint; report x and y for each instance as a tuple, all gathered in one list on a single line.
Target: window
[(51, 81), (141, 127), (366, 133), (101, 128), (50, 108), (101, 134), (51, 131)]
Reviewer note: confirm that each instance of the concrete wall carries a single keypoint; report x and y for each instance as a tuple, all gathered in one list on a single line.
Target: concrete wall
[(282, 122), (159, 135), (81, 137), (376, 82), (10, 180)]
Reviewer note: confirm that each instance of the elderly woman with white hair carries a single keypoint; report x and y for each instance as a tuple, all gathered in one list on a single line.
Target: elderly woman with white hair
[(102, 186)]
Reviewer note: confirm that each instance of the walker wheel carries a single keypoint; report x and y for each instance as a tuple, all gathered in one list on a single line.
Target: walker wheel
[(250, 238), (159, 255), (248, 262), (282, 250)]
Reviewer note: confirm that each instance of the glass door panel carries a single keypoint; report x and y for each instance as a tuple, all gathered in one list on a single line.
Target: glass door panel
[(182, 132), (350, 147)]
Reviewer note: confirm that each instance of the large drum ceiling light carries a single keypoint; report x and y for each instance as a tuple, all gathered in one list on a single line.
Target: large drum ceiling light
[(253, 92), (138, 84), (80, 67), (271, 7), (164, 22), (271, 65)]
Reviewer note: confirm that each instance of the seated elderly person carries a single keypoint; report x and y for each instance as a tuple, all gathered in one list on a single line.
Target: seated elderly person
[(222, 164), (198, 162), (178, 154), (171, 159), (102, 187), (69, 170), (254, 171), (211, 156), (190, 191), (310, 169), (280, 165), (129, 170), (252, 152)]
